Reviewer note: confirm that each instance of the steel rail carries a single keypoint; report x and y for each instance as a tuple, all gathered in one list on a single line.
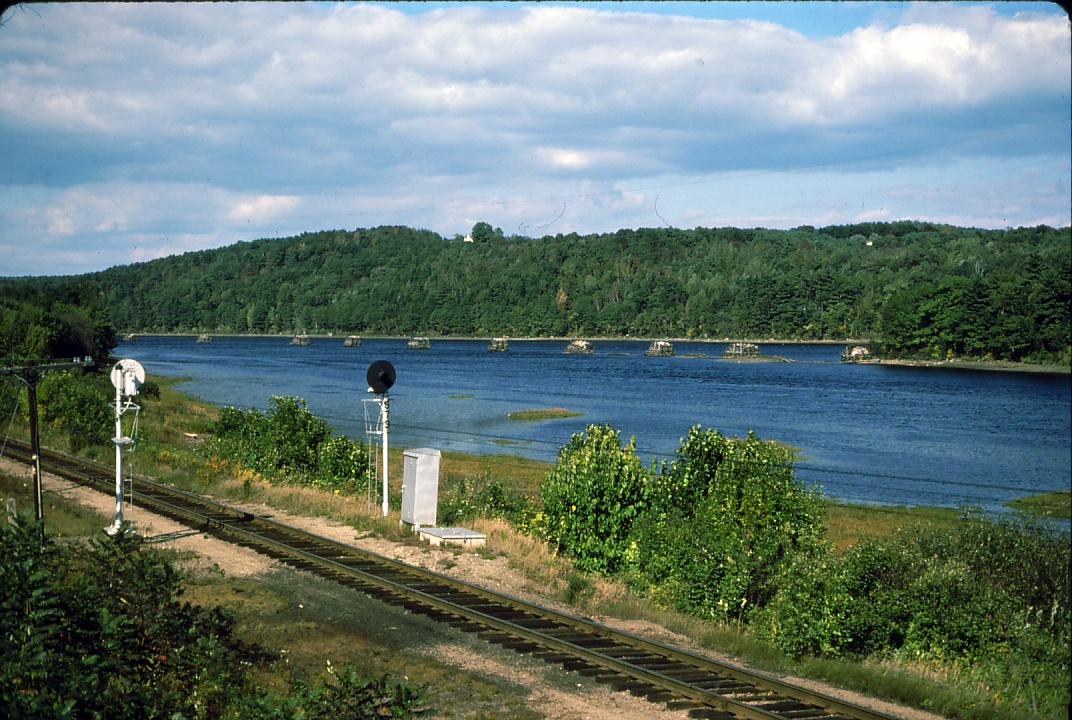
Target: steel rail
[(661, 673)]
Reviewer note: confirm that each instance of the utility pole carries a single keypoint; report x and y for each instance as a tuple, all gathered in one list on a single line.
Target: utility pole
[(31, 378), (31, 375)]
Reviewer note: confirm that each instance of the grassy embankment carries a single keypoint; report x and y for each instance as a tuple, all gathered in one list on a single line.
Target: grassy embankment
[(542, 414), (174, 425), (1056, 505), (986, 365)]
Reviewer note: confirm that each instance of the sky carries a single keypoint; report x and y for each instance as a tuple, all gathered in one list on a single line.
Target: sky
[(133, 131)]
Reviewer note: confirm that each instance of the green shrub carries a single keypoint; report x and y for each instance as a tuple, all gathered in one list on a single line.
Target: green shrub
[(98, 629), (241, 435), (469, 498), (876, 576), (348, 695), (729, 515), (827, 605), (812, 612), (1025, 558), (11, 392), (951, 614), (73, 405), (290, 443), (986, 590), (293, 436), (150, 388), (591, 498), (342, 464), (691, 476)]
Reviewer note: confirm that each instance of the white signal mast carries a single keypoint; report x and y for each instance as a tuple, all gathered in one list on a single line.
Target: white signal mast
[(381, 376), (385, 409), (127, 376)]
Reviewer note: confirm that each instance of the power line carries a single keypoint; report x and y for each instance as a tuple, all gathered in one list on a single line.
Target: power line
[(888, 476), (11, 422), (437, 433), (945, 497)]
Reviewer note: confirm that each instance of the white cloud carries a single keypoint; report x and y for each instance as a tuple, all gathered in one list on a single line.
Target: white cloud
[(225, 121), (263, 207), (874, 73), (876, 215), (579, 159), (361, 63), (59, 222)]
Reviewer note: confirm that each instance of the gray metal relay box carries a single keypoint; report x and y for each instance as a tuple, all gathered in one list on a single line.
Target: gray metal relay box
[(420, 486)]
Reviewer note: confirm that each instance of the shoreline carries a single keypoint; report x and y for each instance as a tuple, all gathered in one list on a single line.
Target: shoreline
[(496, 462), (486, 338), (991, 365), (982, 365)]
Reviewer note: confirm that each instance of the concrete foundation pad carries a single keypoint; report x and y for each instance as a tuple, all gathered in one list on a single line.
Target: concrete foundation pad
[(453, 536)]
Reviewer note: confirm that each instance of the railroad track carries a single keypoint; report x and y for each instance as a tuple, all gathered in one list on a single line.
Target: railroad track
[(660, 673)]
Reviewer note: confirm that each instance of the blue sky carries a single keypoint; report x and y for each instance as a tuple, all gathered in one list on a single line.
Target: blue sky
[(133, 131)]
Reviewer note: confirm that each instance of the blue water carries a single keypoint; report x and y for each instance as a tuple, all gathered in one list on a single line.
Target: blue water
[(868, 433)]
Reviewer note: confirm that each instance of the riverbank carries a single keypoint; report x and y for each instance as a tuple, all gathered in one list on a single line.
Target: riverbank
[(457, 395), (985, 365), (1057, 505), (486, 338), (990, 365)]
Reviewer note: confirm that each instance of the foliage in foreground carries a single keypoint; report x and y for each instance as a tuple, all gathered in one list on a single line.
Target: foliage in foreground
[(726, 532), (986, 585), (726, 517), (71, 403), (591, 498), (289, 442), (990, 597), (469, 498), (98, 629), (706, 534)]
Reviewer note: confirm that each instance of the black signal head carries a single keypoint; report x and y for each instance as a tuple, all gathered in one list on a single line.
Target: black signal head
[(380, 376)]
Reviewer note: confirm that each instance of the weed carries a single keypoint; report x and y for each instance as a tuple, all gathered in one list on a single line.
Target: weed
[(579, 589)]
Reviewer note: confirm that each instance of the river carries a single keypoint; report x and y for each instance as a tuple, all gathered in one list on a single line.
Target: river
[(867, 433)]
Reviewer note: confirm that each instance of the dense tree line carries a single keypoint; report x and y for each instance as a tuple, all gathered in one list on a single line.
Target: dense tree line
[(987, 316), (926, 289), (44, 323)]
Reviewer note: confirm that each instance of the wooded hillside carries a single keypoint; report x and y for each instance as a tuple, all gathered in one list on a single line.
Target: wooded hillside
[(925, 289)]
